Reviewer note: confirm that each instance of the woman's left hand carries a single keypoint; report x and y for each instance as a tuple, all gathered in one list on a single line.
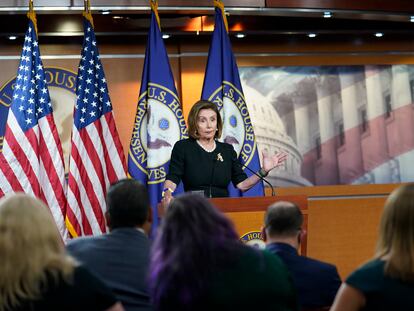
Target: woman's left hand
[(270, 162)]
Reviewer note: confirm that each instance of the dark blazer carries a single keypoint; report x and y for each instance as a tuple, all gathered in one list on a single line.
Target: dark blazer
[(210, 172), (121, 260), (316, 282)]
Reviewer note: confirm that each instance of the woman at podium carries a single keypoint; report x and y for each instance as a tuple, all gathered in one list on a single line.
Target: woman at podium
[(204, 164)]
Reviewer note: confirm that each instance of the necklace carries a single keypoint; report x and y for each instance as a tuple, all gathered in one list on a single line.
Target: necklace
[(205, 149)]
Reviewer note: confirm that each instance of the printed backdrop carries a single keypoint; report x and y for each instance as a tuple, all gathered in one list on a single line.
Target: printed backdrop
[(339, 125)]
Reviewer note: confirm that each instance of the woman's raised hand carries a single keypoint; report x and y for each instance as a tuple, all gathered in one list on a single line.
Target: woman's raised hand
[(270, 162)]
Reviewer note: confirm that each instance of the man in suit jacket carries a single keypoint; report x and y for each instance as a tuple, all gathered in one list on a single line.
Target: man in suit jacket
[(316, 282), (121, 258)]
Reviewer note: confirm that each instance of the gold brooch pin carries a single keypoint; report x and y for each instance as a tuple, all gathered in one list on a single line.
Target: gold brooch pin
[(219, 157)]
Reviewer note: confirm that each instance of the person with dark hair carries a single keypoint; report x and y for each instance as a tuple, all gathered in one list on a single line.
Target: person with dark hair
[(316, 282), (387, 281), (204, 164), (198, 263), (121, 258)]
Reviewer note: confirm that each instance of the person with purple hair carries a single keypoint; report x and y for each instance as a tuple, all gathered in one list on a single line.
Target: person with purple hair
[(198, 263)]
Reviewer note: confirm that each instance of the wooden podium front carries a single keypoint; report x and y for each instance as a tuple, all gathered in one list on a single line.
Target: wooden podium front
[(247, 214)]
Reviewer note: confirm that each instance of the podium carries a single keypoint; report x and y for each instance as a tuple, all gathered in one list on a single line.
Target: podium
[(247, 214)]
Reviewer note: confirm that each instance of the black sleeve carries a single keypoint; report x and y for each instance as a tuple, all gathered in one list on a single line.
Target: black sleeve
[(333, 283), (96, 295), (237, 173), (176, 169)]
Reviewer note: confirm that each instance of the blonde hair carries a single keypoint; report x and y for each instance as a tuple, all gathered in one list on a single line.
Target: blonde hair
[(193, 115), (396, 234), (31, 250)]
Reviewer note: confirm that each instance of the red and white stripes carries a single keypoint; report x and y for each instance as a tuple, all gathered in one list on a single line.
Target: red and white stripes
[(96, 161), (32, 162)]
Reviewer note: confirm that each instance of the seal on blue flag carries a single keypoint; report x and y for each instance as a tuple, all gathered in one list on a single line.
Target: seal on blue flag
[(159, 123), (237, 125)]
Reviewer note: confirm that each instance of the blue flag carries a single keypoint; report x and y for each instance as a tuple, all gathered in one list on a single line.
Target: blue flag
[(159, 121), (222, 86)]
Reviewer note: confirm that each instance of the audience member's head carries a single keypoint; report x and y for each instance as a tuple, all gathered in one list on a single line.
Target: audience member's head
[(31, 250), (128, 205), (193, 234), (396, 234), (283, 222)]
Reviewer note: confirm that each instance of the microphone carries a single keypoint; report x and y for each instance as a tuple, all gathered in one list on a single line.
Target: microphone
[(215, 159), (255, 173)]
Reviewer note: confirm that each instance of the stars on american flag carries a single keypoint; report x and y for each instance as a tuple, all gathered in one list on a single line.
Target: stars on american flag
[(92, 92), (31, 96)]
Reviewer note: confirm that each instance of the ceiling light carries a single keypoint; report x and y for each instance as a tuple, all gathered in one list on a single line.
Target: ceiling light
[(12, 37), (379, 34), (106, 12), (165, 36), (312, 35), (327, 14), (240, 35)]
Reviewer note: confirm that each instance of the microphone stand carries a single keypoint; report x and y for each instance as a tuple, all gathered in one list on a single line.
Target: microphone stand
[(212, 176), (261, 178)]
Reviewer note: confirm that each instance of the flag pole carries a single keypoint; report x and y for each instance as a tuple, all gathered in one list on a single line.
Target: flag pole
[(219, 4), (32, 15), (87, 11), (154, 8)]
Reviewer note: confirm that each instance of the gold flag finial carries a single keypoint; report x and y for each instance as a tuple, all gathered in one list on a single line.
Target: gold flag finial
[(154, 8), (219, 4), (87, 11), (32, 15)]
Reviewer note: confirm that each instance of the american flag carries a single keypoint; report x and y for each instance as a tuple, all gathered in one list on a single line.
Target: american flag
[(32, 157), (97, 158)]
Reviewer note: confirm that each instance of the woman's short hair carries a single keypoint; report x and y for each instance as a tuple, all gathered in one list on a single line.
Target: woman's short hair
[(193, 237), (396, 234), (31, 250), (193, 115)]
